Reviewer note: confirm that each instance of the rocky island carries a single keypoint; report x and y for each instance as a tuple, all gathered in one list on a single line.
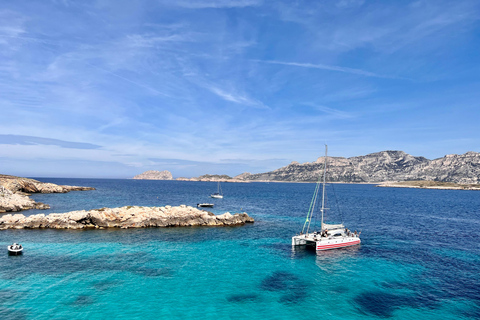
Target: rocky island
[(125, 217), (154, 175), (15, 191)]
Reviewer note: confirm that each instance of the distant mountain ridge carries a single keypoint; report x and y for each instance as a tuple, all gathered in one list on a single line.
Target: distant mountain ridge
[(379, 167)]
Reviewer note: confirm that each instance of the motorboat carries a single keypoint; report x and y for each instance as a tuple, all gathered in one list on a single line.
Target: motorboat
[(15, 249), (205, 205)]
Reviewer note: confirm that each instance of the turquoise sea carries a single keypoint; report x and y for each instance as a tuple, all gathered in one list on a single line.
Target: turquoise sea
[(419, 257)]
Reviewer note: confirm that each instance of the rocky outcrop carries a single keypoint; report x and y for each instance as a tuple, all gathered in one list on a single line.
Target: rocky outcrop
[(26, 185), (379, 167), (14, 192), (154, 175), (10, 201), (125, 217)]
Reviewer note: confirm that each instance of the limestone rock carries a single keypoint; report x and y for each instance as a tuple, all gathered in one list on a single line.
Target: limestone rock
[(125, 217), (380, 167), (14, 192), (154, 175)]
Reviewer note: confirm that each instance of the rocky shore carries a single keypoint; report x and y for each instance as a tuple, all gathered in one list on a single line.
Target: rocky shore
[(125, 217), (15, 191), (429, 185)]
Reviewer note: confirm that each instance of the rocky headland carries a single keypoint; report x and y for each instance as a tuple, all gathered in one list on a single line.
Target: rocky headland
[(379, 167), (125, 217), (154, 175), (15, 191)]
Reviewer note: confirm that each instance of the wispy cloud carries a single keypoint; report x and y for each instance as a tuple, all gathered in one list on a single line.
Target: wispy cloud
[(329, 68), (136, 40), (235, 97), (13, 139), (334, 112), (11, 27), (215, 3)]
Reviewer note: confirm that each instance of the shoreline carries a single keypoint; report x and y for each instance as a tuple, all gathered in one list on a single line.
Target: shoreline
[(432, 185)]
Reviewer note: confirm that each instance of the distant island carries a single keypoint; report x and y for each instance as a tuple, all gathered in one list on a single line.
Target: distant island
[(154, 175), (380, 167)]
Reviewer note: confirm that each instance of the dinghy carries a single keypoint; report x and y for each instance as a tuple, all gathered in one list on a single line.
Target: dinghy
[(15, 249)]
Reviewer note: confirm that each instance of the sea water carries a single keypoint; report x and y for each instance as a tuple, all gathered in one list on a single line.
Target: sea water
[(419, 257)]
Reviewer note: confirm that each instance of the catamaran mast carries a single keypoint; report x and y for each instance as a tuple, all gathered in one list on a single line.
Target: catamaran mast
[(323, 189)]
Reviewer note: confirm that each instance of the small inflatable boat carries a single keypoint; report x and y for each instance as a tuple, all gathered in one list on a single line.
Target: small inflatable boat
[(15, 249)]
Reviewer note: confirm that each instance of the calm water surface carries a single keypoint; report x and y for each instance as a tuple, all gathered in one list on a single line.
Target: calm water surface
[(419, 257)]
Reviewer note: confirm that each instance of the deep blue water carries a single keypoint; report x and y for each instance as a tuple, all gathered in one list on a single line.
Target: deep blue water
[(419, 257)]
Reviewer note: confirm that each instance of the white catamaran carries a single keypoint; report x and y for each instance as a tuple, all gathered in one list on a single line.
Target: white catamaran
[(330, 236)]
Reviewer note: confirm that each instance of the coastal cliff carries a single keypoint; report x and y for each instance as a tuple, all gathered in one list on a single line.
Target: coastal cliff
[(379, 167), (14, 192), (154, 175), (125, 217)]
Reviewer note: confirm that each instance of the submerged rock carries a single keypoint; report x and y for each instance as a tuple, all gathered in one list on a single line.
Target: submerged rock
[(125, 217)]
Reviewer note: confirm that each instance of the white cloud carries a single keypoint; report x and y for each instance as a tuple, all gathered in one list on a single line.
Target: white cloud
[(330, 68), (237, 98), (202, 4)]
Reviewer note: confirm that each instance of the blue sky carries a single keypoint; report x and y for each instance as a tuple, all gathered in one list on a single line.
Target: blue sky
[(114, 88)]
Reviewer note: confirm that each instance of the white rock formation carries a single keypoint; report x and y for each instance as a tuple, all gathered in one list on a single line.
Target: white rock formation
[(154, 175), (125, 217)]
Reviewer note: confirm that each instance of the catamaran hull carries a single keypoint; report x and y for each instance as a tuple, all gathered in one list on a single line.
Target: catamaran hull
[(335, 244), (325, 243)]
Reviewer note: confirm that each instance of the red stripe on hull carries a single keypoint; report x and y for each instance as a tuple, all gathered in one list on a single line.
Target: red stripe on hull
[(337, 245)]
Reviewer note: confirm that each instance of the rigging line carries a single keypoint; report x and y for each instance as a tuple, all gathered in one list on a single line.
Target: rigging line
[(312, 205), (313, 209), (315, 198), (336, 203), (324, 182)]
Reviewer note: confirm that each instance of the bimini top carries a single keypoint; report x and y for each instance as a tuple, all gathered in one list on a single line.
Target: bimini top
[(333, 226)]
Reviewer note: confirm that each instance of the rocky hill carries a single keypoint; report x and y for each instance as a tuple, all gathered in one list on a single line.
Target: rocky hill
[(154, 175), (379, 167)]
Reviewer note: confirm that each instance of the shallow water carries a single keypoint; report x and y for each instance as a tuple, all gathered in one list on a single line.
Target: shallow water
[(419, 257)]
